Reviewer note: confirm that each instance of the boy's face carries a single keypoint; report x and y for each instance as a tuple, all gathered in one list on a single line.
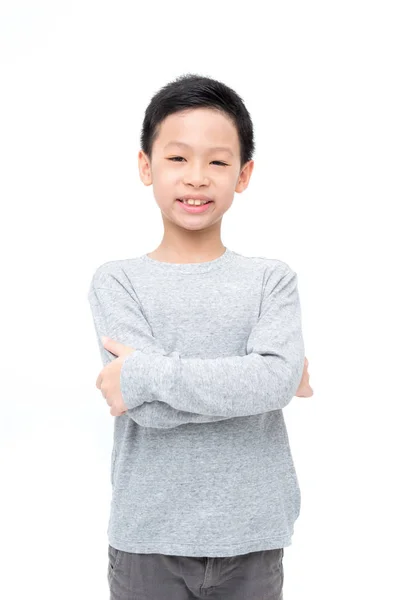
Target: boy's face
[(195, 167)]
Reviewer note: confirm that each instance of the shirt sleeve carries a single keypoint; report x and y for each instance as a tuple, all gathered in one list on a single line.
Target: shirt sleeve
[(117, 314), (265, 378)]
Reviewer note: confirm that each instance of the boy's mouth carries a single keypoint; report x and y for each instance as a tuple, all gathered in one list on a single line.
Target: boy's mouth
[(194, 208)]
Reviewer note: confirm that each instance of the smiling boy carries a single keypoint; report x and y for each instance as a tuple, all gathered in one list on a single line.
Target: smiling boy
[(205, 349)]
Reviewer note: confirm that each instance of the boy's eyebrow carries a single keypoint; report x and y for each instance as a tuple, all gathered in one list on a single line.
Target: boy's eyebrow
[(175, 143)]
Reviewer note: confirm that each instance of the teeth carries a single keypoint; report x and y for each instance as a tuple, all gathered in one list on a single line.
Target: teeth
[(195, 202)]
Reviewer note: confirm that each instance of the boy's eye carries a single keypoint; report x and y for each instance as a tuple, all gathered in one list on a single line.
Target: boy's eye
[(216, 161)]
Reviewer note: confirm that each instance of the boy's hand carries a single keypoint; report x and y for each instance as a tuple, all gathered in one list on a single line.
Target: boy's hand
[(109, 378), (304, 390)]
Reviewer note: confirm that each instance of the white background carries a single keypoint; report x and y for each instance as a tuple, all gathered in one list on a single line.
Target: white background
[(321, 82)]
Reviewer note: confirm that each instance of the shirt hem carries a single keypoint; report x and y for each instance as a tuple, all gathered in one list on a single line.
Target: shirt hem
[(199, 548)]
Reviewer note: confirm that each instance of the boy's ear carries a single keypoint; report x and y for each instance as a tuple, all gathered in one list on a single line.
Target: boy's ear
[(244, 177), (144, 168)]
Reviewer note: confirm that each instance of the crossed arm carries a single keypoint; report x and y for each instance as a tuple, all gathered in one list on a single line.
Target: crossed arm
[(165, 390)]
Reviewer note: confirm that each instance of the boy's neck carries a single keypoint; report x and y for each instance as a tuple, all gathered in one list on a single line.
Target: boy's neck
[(171, 255)]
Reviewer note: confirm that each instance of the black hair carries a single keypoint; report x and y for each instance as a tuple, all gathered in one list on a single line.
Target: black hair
[(195, 91)]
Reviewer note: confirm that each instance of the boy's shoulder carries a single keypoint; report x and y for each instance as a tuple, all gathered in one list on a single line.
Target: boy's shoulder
[(270, 264), (111, 273)]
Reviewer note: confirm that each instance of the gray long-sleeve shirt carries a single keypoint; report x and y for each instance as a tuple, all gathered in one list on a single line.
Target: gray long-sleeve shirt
[(201, 463)]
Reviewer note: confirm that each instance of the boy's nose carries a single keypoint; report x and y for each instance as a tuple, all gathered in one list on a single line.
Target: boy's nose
[(197, 179)]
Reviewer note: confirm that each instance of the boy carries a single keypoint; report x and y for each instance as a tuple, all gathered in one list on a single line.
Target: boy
[(204, 350)]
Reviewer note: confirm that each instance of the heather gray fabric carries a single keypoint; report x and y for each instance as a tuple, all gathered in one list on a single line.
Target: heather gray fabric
[(201, 463), (253, 576)]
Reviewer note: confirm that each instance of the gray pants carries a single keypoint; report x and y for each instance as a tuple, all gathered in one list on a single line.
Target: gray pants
[(253, 576)]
